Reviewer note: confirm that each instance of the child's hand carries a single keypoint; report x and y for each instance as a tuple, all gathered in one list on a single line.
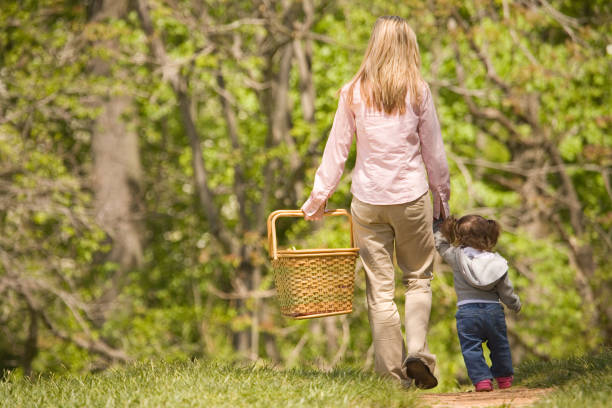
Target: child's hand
[(448, 228), (437, 222)]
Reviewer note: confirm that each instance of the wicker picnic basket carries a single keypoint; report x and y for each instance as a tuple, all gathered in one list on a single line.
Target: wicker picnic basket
[(312, 282)]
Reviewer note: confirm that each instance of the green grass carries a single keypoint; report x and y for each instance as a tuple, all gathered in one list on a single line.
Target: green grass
[(579, 381), (206, 384)]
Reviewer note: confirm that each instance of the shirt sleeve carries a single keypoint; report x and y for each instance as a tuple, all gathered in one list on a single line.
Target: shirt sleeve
[(434, 157), (334, 158), (507, 295), (445, 249)]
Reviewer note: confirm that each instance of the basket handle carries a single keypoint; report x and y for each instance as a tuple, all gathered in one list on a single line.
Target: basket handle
[(297, 213)]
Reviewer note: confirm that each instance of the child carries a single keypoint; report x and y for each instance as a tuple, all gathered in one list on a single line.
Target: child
[(481, 279)]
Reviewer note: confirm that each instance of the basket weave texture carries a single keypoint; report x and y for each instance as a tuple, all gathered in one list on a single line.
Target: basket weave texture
[(312, 282)]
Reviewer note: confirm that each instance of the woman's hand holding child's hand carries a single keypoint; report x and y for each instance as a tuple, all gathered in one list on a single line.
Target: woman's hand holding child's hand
[(437, 222), (448, 229)]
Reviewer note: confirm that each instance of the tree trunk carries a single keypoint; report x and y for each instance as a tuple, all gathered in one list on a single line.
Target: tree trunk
[(117, 172), (31, 344)]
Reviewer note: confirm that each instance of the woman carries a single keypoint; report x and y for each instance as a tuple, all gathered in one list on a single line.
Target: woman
[(400, 156)]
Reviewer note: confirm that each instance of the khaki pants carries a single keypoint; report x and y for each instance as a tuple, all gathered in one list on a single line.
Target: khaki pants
[(406, 229)]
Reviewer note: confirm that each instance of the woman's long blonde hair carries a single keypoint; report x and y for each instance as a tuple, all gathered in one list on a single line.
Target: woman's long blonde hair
[(390, 68)]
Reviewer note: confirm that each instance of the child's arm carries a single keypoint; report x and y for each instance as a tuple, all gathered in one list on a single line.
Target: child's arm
[(445, 249), (507, 295)]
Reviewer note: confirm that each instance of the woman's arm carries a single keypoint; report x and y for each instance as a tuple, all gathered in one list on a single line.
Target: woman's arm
[(434, 157), (334, 158)]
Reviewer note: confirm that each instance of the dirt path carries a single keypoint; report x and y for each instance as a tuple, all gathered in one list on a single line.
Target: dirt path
[(514, 397)]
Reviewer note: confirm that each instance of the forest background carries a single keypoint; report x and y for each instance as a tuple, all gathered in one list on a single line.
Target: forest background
[(143, 144)]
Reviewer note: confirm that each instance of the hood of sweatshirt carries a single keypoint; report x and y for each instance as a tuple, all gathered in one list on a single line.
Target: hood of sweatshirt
[(482, 270)]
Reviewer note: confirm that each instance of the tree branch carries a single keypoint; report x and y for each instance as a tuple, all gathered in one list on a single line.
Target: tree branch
[(484, 58), (180, 87), (488, 112), (239, 184), (86, 343)]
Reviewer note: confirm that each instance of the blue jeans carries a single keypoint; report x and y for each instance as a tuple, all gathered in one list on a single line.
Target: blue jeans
[(477, 323)]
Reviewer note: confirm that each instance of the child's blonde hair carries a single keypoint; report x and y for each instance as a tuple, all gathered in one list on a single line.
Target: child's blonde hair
[(391, 67), (471, 230)]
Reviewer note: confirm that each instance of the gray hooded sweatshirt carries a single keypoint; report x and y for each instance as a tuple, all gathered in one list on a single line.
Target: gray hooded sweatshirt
[(482, 277)]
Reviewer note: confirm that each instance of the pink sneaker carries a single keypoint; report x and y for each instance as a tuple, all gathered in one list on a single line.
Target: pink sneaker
[(484, 385), (504, 382)]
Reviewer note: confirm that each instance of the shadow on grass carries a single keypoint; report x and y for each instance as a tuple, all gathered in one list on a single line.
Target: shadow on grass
[(559, 372)]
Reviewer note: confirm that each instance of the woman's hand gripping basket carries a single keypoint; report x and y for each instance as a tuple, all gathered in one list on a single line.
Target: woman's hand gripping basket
[(312, 282)]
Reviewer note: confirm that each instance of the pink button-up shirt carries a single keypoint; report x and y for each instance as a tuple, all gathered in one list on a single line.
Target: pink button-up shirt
[(399, 157)]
